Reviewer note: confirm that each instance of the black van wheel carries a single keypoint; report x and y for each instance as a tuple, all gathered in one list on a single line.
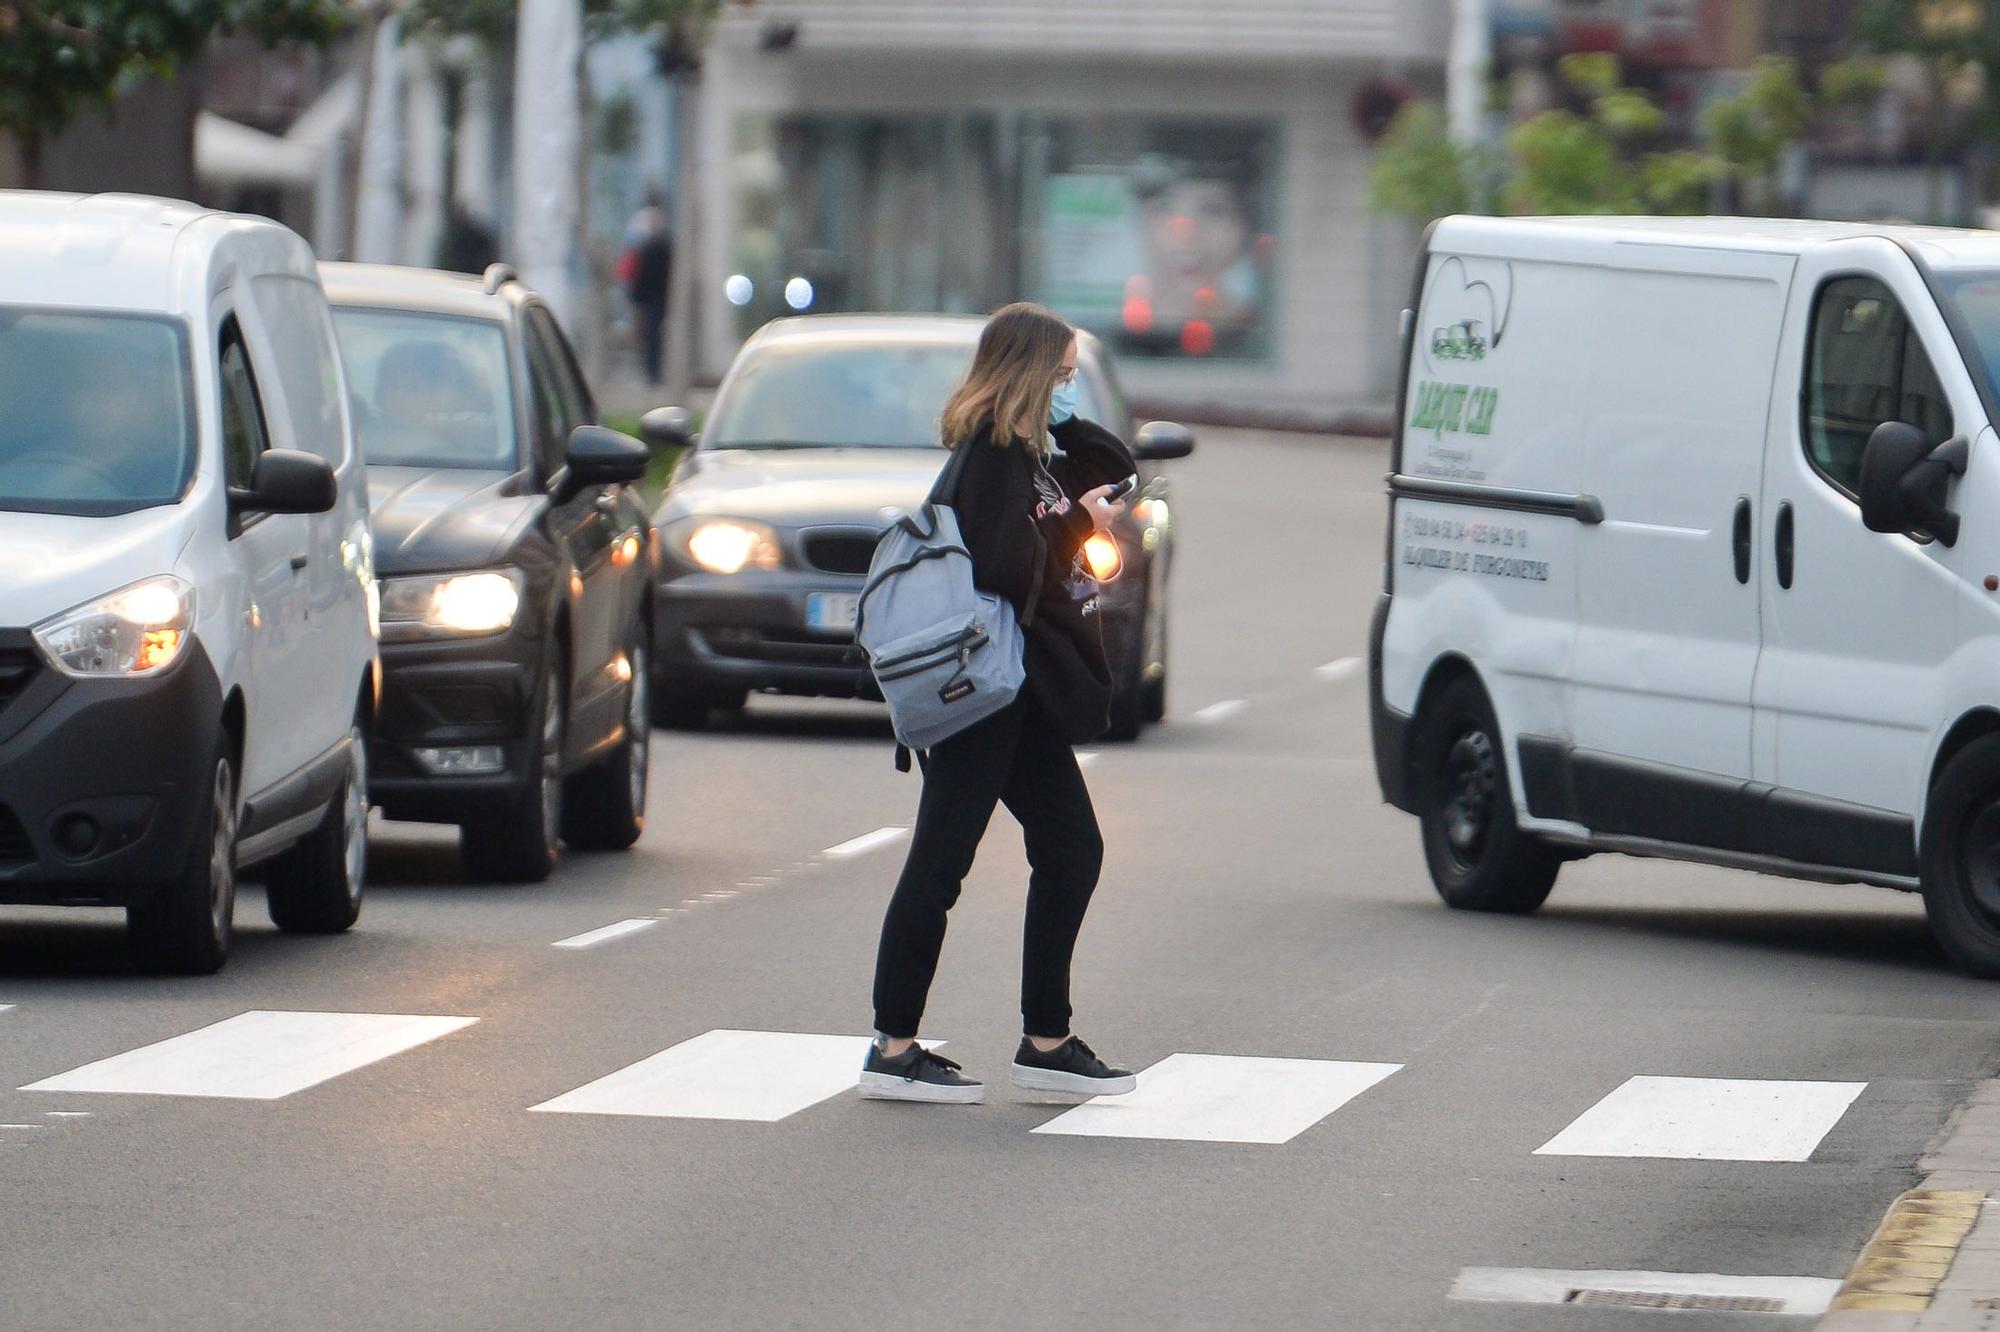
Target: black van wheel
[(1479, 858), (1959, 857), (315, 888), (184, 928), (521, 842), (604, 808)]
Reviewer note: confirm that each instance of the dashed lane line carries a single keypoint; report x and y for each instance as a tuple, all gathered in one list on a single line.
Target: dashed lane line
[(862, 845), (1339, 668), (606, 933), (1216, 712)]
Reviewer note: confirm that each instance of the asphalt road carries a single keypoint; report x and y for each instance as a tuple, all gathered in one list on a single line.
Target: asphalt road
[(1258, 901)]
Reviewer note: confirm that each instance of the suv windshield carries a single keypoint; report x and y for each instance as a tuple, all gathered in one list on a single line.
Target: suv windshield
[(96, 413), (429, 390)]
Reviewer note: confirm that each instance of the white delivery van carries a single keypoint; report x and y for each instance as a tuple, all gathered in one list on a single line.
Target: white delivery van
[(187, 644), (1694, 551)]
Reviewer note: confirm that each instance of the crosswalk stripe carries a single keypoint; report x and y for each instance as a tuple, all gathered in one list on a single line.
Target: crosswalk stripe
[(855, 846), (605, 933), (260, 1055), (761, 1076), (1216, 712), (1224, 1098), (1708, 1119)]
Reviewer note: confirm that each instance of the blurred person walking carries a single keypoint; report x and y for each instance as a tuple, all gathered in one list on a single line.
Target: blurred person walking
[(644, 263), (1024, 516)]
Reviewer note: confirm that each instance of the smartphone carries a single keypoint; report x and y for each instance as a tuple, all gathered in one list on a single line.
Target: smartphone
[(1122, 489)]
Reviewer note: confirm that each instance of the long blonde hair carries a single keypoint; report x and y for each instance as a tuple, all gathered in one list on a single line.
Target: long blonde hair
[(1012, 375)]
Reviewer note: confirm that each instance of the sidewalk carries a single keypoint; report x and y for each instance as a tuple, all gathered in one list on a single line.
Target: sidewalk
[(1934, 1262)]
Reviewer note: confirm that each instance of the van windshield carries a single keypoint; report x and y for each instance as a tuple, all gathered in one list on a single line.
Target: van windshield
[(1976, 299), (96, 413)]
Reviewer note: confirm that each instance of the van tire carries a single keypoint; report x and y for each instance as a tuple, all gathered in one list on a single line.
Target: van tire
[(604, 808), (520, 842), (1479, 858), (316, 886), (1958, 860), (184, 928)]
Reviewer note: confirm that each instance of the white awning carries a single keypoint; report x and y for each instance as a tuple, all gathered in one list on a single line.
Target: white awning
[(229, 153)]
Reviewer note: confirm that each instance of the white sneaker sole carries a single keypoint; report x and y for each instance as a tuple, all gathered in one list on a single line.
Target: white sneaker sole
[(1042, 1079), (889, 1087)]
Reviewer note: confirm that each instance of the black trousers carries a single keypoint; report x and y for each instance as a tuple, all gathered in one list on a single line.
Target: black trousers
[(652, 337), (1018, 758)]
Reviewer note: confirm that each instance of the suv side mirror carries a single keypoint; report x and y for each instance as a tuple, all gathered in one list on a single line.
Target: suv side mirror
[(287, 481), (667, 428), (1163, 439), (598, 456), (1903, 480)]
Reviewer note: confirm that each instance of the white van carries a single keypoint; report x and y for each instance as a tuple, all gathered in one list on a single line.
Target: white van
[(1694, 551), (187, 651)]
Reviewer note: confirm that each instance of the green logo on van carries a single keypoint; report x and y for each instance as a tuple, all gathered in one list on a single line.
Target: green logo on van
[(1450, 409)]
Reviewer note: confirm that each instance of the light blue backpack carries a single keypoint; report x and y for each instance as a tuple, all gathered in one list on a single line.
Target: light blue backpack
[(944, 654)]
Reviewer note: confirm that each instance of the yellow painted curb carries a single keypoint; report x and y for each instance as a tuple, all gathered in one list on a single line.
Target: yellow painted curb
[(1911, 1251)]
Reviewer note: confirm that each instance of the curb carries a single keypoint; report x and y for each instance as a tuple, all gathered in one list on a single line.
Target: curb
[(1933, 1264)]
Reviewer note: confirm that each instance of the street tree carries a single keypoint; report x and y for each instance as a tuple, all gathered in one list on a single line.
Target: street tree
[(59, 58)]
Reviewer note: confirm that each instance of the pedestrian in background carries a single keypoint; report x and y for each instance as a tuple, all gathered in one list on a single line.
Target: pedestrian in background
[(1024, 516), (645, 262)]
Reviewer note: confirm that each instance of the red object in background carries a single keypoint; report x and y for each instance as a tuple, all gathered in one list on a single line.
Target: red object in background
[(1138, 315), (1205, 298), (1198, 337), (627, 268)]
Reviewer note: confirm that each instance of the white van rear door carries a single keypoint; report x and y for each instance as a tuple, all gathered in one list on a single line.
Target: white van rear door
[(1668, 621)]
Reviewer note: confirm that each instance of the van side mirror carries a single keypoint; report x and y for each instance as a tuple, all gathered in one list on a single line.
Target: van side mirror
[(667, 428), (1903, 480), (286, 481), (1162, 439), (599, 456)]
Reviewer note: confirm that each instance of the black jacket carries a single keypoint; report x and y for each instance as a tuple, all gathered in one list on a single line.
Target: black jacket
[(1014, 539)]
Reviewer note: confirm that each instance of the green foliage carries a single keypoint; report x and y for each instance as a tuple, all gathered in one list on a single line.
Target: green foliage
[(493, 20), (1680, 182), (1853, 81), (1418, 172), (60, 57), (1565, 164)]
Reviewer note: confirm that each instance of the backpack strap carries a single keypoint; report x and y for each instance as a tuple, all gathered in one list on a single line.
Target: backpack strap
[(945, 488)]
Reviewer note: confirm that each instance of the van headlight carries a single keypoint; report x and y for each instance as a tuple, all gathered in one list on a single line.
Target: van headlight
[(137, 630), (726, 545), (445, 605)]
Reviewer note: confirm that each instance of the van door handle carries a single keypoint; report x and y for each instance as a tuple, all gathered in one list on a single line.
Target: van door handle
[(1784, 544), (300, 560), (1740, 541)]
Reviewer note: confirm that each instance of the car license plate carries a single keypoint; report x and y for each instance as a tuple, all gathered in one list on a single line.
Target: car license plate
[(832, 611)]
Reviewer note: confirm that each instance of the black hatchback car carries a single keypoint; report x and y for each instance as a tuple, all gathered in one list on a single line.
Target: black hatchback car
[(823, 433), (516, 564)]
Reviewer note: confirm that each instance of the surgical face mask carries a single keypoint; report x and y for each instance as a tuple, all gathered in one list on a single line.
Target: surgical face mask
[(1062, 403)]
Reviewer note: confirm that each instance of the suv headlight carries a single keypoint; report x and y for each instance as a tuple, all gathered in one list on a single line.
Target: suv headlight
[(137, 630), (726, 545), (442, 605)]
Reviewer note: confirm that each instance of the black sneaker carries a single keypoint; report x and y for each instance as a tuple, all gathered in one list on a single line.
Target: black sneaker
[(916, 1075), (1070, 1067)]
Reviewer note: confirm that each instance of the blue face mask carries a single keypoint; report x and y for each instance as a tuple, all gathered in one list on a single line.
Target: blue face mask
[(1062, 403)]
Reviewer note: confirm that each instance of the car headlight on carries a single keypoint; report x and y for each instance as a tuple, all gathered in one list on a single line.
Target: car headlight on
[(446, 604), (137, 630), (727, 545), (1101, 553)]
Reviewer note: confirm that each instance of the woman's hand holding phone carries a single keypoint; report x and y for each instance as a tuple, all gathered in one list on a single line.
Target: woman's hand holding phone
[(1105, 503)]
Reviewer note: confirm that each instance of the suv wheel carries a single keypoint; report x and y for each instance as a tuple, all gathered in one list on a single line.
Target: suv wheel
[(520, 844), (1959, 853), (1479, 858), (185, 927), (604, 807), (315, 888)]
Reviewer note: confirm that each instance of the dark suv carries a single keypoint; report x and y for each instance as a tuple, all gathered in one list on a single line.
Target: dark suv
[(515, 562)]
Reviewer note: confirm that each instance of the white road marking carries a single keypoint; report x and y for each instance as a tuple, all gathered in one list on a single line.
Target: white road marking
[(605, 933), (1216, 712), (21, 1126), (857, 846), (258, 1056), (762, 1076), (1338, 669), (67, 1114), (1224, 1098), (4, 1008), (1531, 1285), (1708, 1119), (1086, 757)]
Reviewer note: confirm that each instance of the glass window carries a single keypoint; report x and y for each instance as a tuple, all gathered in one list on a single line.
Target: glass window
[(1865, 366), (303, 362), (429, 390), (244, 436), (96, 413), (1975, 298), (871, 394), (545, 397), (578, 409)]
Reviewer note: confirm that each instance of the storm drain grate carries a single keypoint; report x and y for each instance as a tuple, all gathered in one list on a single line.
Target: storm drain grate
[(1655, 1299)]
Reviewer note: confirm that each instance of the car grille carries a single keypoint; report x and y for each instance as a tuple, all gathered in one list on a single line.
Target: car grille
[(791, 647), (840, 552), (15, 848), (18, 667)]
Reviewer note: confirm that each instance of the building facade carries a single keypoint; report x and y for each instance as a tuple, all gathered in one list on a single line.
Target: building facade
[(1186, 179)]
